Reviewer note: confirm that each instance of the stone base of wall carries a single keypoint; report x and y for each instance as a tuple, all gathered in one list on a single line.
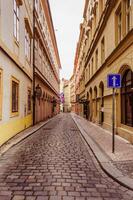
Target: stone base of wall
[(127, 134)]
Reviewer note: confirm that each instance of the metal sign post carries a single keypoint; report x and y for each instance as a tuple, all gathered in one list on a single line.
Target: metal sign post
[(113, 122), (114, 81)]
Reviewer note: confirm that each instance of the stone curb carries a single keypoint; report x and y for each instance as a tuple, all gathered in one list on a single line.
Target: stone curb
[(18, 138), (104, 160)]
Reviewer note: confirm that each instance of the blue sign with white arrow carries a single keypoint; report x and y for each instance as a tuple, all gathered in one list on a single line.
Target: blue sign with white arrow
[(114, 81)]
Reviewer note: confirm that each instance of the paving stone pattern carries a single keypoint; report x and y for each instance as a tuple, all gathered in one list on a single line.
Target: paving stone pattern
[(126, 167), (55, 164)]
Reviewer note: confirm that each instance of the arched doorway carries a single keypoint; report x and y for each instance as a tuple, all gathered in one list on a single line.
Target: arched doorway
[(101, 94), (127, 98)]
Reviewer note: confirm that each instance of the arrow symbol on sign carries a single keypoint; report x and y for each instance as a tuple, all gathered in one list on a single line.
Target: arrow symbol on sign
[(114, 81)]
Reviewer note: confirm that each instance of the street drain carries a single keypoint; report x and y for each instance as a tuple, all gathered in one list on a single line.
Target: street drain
[(47, 129)]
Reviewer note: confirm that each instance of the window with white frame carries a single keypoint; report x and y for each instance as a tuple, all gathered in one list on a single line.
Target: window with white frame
[(16, 20), (128, 15), (15, 96), (27, 45)]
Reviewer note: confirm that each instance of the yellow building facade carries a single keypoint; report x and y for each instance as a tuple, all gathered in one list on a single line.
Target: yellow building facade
[(15, 67), (107, 49)]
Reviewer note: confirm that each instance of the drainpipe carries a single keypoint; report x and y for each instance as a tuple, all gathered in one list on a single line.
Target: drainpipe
[(34, 93)]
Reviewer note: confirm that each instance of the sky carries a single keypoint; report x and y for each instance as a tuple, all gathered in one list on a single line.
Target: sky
[(67, 16)]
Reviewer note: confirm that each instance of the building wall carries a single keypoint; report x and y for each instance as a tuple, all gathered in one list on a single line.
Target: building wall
[(16, 63), (13, 64), (67, 104), (72, 93), (99, 24), (47, 63)]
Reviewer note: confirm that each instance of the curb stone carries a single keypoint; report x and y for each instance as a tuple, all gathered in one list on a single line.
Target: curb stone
[(104, 161)]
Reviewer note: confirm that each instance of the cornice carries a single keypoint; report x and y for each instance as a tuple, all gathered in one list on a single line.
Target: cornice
[(41, 76)]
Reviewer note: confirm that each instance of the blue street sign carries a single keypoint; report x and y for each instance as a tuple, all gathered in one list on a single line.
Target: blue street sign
[(114, 81)]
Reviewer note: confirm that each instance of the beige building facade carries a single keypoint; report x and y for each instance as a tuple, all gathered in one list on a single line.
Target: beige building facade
[(72, 93), (29, 66), (66, 91), (16, 72), (46, 64), (108, 48)]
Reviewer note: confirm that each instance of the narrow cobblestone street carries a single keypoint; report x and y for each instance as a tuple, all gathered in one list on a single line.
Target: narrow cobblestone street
[(55, 164)]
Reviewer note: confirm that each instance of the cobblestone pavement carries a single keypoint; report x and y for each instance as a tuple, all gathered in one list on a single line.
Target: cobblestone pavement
[(55, 164)]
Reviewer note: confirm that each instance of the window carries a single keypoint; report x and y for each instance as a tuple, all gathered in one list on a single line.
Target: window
[(128, 15), (96, 59), (36, 51), (29, 100), (86, 75), (0, 93), (40, 51), (89, 71), (101, 6), (16, 20), (102, 50), (92, 67), (36, 5), (127, 98), (118, 25), (27, 45), (15, 96)]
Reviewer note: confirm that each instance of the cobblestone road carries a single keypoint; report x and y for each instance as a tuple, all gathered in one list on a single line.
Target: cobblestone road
[(55, 164)]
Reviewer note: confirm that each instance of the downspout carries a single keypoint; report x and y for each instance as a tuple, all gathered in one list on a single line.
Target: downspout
[(34, 93)]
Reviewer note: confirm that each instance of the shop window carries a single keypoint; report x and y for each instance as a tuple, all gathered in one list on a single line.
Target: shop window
[(127, 99), (15, 96), (16, 20)]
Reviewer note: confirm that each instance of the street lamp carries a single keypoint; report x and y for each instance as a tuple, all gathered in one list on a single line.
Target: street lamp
[(38, 91)]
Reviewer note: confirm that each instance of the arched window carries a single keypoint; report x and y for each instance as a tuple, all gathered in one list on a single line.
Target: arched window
[(127, 98)]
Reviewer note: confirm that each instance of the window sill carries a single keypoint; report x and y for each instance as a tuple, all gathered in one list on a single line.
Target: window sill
[(16, 42), (27, 60), (29, 112), (14, 114)]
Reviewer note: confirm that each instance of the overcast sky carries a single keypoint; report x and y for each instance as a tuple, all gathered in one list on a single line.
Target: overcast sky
[(67, 16)]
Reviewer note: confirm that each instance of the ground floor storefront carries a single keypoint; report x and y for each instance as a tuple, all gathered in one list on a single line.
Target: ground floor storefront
[(98, 97), (15, 99), (47, 102)]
